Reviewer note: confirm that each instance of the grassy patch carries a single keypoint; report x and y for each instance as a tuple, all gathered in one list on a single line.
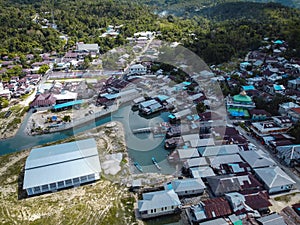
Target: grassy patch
[(101, 202), (285, 198)]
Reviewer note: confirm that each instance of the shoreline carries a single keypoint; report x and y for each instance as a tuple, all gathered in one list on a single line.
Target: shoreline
[(109, 189), (12, 134)]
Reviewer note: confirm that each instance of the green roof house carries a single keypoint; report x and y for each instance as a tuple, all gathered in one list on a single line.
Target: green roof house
[(239, 105)]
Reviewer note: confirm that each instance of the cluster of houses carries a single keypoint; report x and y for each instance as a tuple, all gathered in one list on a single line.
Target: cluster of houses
[(75, 57), (237, 180), (221, 162), (17, 87), (29, 78), (217, 160), (265, 75), (50, 95)]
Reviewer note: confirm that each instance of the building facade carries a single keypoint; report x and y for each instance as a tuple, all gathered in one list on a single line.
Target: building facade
[(158, 203), (51, 168)]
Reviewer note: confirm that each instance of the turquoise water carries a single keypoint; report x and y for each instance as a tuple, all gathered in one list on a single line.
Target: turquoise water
[(23, 141), (141, 147)]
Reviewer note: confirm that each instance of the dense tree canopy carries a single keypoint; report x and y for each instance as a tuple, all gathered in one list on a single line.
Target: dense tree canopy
[(217, 32)]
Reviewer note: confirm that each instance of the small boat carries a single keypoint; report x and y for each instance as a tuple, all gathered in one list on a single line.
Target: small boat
[(138, 166), (155, 163)]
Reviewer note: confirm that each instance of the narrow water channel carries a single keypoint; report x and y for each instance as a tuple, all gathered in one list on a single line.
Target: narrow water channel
[(23, 141), (141, 147)]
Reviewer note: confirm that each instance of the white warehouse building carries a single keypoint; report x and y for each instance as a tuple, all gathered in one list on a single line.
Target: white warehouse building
[(51, 168)]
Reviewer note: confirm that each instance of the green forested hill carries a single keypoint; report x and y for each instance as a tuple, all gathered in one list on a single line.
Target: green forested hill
[(180, 7), (217, 33), (81, 20)]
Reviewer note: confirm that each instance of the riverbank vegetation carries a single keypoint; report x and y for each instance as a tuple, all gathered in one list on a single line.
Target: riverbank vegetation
[(11, 119)]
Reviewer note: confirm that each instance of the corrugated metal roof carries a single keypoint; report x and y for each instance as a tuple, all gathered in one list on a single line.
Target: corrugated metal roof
[(188, 184), (61, 162), (219, 150), (182, 113), (201, 161), (216, 207), (274, 176), (255, 159), (188, 153), (60, 153), (158, 199), (202, 172), (216, 161), (273, 219), (62, 171)]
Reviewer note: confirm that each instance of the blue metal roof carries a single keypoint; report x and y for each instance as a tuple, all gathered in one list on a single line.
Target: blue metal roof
[(196, 117), (169, 186), (186, 83), (171, 116), (111, 96), (248, 88), (278, 42), (278, 87), (162, 97), (236, 168), (67, 104)]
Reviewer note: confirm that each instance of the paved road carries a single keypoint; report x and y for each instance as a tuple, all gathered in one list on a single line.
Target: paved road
[(30, 98), (137, 57)]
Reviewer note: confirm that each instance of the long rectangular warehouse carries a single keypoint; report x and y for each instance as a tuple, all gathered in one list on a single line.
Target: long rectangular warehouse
[(51, 168)]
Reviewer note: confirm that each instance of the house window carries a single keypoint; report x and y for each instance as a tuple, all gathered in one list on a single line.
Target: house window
[(165, 208), (162, 209), (151, 210), (155, 210), (172, 207)]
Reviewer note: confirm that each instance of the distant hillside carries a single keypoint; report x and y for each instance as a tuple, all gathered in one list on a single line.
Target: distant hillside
[(216, 32), (34, 26), (184, 7), (243, 10)]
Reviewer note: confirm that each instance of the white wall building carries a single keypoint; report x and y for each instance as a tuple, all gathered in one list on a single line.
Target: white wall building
[(138, 69), (51, 168), (158, 203)]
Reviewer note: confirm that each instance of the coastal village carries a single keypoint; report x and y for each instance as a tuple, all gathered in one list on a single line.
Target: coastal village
[(234, 162)]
